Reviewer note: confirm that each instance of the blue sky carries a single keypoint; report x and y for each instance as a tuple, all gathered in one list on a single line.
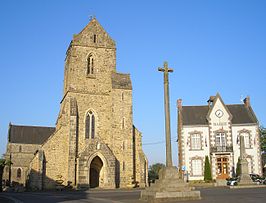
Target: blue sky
[(213, 46)]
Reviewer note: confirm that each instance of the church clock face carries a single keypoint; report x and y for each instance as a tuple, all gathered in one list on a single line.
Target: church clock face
[(219, 113)]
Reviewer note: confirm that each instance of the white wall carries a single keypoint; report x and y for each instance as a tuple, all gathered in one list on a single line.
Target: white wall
[(254, 151), (195, 153)]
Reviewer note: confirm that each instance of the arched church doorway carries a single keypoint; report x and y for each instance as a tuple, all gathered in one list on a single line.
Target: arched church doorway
[(95, 172)]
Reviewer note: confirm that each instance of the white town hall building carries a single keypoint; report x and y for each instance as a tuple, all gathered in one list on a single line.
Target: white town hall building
[(213, 130)]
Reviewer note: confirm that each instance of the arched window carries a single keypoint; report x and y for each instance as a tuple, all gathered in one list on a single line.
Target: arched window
[(19, 173), (20, 149), (90, 65), (90, 125)]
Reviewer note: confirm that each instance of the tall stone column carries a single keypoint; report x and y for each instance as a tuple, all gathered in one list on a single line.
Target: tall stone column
[(166, 70), (169, 187)]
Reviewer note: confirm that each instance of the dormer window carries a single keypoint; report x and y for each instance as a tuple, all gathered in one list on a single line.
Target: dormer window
[(90, 65)]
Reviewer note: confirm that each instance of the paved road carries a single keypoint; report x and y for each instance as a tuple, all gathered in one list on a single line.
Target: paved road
[(93, 196), (209, 195)]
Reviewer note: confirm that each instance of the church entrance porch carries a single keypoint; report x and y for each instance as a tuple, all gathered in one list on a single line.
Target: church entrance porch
[(96, 172), (222, 168), (96, 166)]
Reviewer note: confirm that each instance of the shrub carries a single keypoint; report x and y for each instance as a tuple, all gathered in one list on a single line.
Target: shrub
[(207, 170)]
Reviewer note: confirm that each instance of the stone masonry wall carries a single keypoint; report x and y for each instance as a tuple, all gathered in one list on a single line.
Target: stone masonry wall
[(35, 174), (56, 150), (21, 156), (140, 160), (122, 141), (100, 81)]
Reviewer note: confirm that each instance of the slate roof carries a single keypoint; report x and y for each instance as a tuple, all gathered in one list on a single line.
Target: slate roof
[(242, 114), (196, 115), (121, 81), (29, 134)]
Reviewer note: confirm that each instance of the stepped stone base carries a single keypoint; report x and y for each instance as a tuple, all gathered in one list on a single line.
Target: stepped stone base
[(169, 188), (157, 197), (245, 179)]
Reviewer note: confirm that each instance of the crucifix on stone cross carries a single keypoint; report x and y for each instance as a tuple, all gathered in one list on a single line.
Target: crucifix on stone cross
[(166, 70)]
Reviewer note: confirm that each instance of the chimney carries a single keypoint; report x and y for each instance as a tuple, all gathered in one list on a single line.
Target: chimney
[(210, 101), (179, 104), (247, 101)]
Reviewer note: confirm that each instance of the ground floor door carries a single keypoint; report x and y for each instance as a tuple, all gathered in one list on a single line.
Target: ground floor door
[(222, 168), (95, 171)]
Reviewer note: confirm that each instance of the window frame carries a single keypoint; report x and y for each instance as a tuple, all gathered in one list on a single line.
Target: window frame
[(90, 66), (90, 123), (196, 141), (222, 142), (198, 170), (190, 142)]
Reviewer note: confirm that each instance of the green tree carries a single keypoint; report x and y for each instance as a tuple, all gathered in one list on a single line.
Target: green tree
[(154, 169), (2, 166), (3, 163), (263, 139), (238, 168), (207, 170)]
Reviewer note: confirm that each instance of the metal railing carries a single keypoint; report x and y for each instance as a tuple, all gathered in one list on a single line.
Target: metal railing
[(222, 149)]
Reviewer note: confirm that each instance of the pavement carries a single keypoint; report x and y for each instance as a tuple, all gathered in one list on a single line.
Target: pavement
[(209, 195)]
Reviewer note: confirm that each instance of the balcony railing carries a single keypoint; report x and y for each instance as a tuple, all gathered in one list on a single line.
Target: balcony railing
[(222, 149)]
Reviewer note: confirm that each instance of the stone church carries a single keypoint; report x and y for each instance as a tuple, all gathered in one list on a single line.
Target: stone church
[(214, 130), (94, 143)]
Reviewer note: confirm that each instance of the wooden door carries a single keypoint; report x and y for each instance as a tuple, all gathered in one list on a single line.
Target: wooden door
[(222, 168)]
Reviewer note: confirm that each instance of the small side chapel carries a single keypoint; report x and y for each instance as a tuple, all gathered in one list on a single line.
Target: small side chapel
[(94, 143), (213, 130)]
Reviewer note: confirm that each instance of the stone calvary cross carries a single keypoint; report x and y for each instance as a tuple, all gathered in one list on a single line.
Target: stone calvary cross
[(169, 186), (166, 70)]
